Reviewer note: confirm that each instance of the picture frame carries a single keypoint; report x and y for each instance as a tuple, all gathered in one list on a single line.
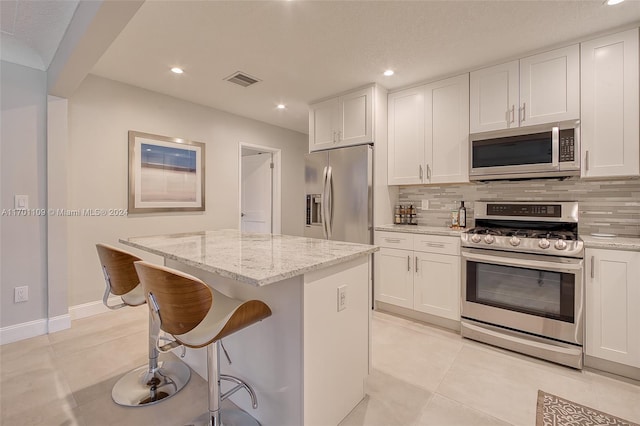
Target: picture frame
[(166, 174)]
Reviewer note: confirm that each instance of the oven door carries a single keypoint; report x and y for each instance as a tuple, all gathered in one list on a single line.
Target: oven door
[(535, 294)]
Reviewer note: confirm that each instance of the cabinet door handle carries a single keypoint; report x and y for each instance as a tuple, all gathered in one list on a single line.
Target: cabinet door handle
[(523, 116), (586, 160), (420, 166), (438, 245), (408, 263), (428, 172), (592, 267), (416, 263), (392, 240), (339, 135), (512, 114)]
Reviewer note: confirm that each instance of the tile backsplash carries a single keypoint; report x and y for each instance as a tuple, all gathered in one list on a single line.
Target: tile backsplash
[(606, 206)]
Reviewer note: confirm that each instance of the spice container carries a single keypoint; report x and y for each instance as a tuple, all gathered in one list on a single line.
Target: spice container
[(454, 218)]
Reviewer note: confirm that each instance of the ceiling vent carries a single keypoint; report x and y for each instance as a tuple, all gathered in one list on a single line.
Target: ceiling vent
[(242, 79)]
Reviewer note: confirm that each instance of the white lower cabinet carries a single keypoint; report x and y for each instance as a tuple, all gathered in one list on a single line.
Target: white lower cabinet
[(419, 272), (436, 285), (394, 277), (612, 305)]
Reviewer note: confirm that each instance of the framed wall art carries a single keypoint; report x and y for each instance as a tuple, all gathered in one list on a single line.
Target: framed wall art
[(165, 174)]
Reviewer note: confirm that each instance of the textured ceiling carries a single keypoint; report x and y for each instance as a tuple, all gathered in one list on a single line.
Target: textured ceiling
[(305, 50), (32, 30)]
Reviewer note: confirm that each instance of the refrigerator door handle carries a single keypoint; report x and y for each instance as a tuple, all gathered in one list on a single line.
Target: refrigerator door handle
[(324, 203), (330, 202)]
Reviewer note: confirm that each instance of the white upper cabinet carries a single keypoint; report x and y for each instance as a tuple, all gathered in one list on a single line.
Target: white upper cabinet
[(495, 100), (342, 121), (538, 89), (429, 133), (406, 136), (610, 106), (447, 131), (550, 86)]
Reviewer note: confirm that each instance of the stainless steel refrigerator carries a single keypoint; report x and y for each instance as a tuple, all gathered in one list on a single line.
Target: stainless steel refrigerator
[(339, 194)]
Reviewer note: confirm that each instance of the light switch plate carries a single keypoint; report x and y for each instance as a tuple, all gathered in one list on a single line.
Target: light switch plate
[(21, 202), (424, 205)]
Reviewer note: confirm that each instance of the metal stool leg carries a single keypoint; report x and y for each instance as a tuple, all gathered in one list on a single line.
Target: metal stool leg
[(229, 414), (151, 383)]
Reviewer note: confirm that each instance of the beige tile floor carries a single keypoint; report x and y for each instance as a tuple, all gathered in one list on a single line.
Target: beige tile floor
[(421, 376)]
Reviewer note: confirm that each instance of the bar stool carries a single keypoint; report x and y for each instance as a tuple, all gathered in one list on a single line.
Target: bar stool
[(197, 316), (156, 381)]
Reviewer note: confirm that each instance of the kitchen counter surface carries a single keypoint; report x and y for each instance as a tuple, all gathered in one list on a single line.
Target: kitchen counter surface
[(256, 259), (614, 243), (428, 230)]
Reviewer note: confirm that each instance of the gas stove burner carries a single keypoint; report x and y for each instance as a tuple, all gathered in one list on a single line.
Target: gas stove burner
[(485, 231), (551, 235), (538, 228)]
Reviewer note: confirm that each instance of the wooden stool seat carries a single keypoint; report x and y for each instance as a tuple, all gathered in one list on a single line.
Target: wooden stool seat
[(135, 297), (155, 381), (197, 316)]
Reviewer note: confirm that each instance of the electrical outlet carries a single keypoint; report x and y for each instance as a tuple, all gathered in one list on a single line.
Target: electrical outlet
[(21, 294), (424, 205), (342, 298)]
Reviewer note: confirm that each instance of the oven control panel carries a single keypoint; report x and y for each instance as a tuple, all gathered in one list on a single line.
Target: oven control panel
[(533, 210)]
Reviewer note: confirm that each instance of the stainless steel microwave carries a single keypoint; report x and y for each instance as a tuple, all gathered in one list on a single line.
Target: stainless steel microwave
[(549, 150)]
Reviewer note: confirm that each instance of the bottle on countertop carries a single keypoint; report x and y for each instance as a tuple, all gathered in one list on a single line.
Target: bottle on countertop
[(462, 215)]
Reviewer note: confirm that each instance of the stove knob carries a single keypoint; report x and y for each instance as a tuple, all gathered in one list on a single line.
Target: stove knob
[(544, 243), (560, 245), (476, 238), (489, 239), (514, 241)]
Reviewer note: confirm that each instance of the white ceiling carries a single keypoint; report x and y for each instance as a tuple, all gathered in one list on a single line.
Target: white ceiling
[(306, 50), (32, 30)]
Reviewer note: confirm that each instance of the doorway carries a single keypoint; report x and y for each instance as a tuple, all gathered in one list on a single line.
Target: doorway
[(260, 191)]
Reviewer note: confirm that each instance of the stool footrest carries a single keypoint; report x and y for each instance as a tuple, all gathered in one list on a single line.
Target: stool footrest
[(240, 384)]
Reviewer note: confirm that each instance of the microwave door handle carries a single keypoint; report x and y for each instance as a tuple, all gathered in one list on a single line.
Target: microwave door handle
[(555, 146)]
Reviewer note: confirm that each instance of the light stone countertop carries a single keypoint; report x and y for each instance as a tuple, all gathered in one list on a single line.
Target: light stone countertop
[(256, 259), (416, 229), (614, 243)]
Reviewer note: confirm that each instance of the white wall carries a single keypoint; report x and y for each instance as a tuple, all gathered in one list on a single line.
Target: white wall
[(101, 112), (23, 171)]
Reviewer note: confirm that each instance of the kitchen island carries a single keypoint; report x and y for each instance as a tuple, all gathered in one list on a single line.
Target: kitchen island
[(308, 361)]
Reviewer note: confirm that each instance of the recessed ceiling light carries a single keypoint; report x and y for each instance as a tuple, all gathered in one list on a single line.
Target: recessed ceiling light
[(612, 2), (388, 73), (177, 70), (281, 106)]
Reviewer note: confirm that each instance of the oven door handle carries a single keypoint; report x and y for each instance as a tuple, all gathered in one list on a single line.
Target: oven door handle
[(524, 263)]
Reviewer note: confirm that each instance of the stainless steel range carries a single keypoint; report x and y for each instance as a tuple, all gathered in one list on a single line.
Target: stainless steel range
[(522, 286)]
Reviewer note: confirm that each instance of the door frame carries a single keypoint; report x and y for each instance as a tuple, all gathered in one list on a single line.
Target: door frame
[(276, 181)]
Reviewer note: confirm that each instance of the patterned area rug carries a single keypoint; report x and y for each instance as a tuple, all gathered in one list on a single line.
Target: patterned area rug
[(555, 411)]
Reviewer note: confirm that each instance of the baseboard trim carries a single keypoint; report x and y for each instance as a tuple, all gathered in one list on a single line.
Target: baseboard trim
[(25, 330), (92, 308), (418, 316), (59, 323)]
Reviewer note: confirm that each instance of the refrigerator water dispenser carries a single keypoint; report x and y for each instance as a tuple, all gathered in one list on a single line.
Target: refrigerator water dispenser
[(314, 209)]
